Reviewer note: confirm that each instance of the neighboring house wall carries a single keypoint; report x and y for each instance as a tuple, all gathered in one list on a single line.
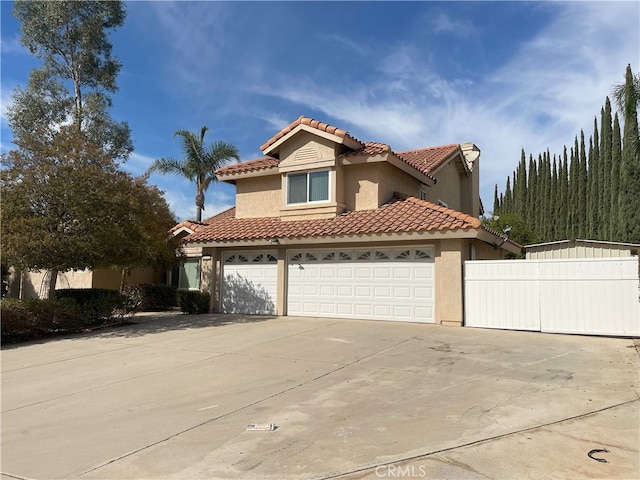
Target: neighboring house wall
[(579, 249), (35, 284)]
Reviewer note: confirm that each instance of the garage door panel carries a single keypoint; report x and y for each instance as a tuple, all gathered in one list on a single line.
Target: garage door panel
[(382, 291), (384, 273), (402, 273), (403, 312), (384, 284), (345, 309), (402, 292), (383, 311), (363, 309), (328, 308), (424, 293), (345, 273), (362, 273), (249, 283), (363, 291), (344, 290)]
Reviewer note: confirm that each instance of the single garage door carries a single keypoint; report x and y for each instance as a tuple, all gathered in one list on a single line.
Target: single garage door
[(249, 282), (378, 284)]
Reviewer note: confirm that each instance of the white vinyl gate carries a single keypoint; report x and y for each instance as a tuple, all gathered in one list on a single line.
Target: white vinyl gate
[(583, 296)]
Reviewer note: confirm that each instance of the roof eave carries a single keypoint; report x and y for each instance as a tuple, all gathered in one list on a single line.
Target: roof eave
[(233, 177), (428, 235)]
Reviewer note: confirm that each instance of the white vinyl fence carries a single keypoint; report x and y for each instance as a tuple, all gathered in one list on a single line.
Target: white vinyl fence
[(585, 296)]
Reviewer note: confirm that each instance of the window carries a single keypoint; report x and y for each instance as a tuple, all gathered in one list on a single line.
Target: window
[(187, 275), (423, 195), (308, 187)]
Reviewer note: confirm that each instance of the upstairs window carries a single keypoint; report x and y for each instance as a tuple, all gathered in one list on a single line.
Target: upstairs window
[(308, 187)]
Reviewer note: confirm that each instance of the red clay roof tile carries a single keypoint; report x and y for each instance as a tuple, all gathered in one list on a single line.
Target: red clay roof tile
[(302, 120), (250, 166), (402, 214), (427, 160)]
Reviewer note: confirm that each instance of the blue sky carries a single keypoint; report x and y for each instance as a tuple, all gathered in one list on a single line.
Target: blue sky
[(504, 75)]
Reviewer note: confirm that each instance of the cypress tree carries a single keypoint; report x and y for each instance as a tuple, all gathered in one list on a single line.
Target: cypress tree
[(592, 193), (573, 193), (614, 191), (545, 202), (553, 202), (520, 187), (594, 184), (532, 200), (507, 204), (563, 197), (629, 200), (496, 201), (605, 170), (582, 189)]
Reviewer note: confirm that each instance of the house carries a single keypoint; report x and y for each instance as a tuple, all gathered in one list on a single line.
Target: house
[(35, 284), (326, 225), (580, 249)]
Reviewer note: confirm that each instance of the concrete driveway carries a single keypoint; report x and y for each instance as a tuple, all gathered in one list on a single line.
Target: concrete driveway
[(171, 397)]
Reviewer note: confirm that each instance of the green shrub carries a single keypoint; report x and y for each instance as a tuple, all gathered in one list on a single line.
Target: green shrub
[(148, 297), (97, 304), (30, 318), (192, 301)]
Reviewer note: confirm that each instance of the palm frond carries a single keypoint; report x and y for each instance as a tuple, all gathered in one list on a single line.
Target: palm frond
[(192, 146), (170, 165)]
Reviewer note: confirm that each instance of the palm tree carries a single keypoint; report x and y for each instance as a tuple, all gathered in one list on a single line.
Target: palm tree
[(630, 87), (199, 164)]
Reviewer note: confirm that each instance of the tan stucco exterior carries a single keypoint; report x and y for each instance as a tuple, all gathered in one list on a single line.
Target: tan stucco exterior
[(259, 197), (34, 284)]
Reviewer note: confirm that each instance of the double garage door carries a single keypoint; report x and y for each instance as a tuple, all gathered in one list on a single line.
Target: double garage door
[(377, 284)]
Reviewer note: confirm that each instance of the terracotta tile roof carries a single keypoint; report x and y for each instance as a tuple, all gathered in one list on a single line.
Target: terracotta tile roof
[(403, 214), (228, 213), (250, 166), (190, 224), (427, 160), (302, 120)]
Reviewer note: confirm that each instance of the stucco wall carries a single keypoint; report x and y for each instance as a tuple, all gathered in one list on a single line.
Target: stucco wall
[(258, 197), (447, 187), (305, 148), (394, 180), (449, 300), (361, 186)]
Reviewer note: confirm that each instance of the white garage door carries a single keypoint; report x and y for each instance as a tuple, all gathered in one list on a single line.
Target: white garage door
[(378, 284), (249, 282)]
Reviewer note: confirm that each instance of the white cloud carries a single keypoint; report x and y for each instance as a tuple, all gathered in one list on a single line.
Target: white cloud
[(137, 163), (540, 98), (356, 48), (442, 23), (12, 45)]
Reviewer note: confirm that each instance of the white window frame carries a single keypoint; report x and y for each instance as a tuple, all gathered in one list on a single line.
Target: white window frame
[(307, 173)]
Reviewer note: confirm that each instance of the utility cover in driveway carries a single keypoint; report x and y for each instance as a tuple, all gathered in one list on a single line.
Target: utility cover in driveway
[(376, 284)]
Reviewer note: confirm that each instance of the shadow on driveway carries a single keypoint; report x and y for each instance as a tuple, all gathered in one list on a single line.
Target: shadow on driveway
[(146, 323)]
